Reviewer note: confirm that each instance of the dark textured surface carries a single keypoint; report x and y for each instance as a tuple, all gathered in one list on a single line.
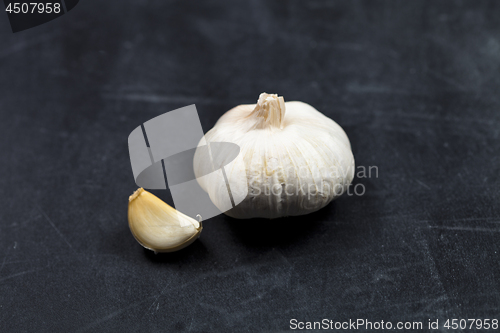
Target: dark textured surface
[(414, 84)]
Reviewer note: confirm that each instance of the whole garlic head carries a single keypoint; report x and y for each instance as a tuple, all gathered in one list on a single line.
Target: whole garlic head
[(295, 160)]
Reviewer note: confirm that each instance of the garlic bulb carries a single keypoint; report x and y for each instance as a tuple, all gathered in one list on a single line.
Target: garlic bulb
[(294, 159), (158, 226)]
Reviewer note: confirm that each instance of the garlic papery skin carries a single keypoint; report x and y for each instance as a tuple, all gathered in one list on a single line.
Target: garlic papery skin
[(158, 226), (294, 160)]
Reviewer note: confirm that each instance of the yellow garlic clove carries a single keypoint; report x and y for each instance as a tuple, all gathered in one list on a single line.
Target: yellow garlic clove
[(158, 226)]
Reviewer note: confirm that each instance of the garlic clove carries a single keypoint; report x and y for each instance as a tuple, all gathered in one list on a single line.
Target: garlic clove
[(158, 226)]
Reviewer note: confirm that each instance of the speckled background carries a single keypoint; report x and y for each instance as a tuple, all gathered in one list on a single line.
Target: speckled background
[(415, 84)]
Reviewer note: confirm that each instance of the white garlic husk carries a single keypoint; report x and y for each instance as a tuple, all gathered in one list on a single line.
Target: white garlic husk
[(295, 160)]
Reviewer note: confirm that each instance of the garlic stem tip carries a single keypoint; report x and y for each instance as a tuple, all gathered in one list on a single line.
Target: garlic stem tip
[(135, 194)]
